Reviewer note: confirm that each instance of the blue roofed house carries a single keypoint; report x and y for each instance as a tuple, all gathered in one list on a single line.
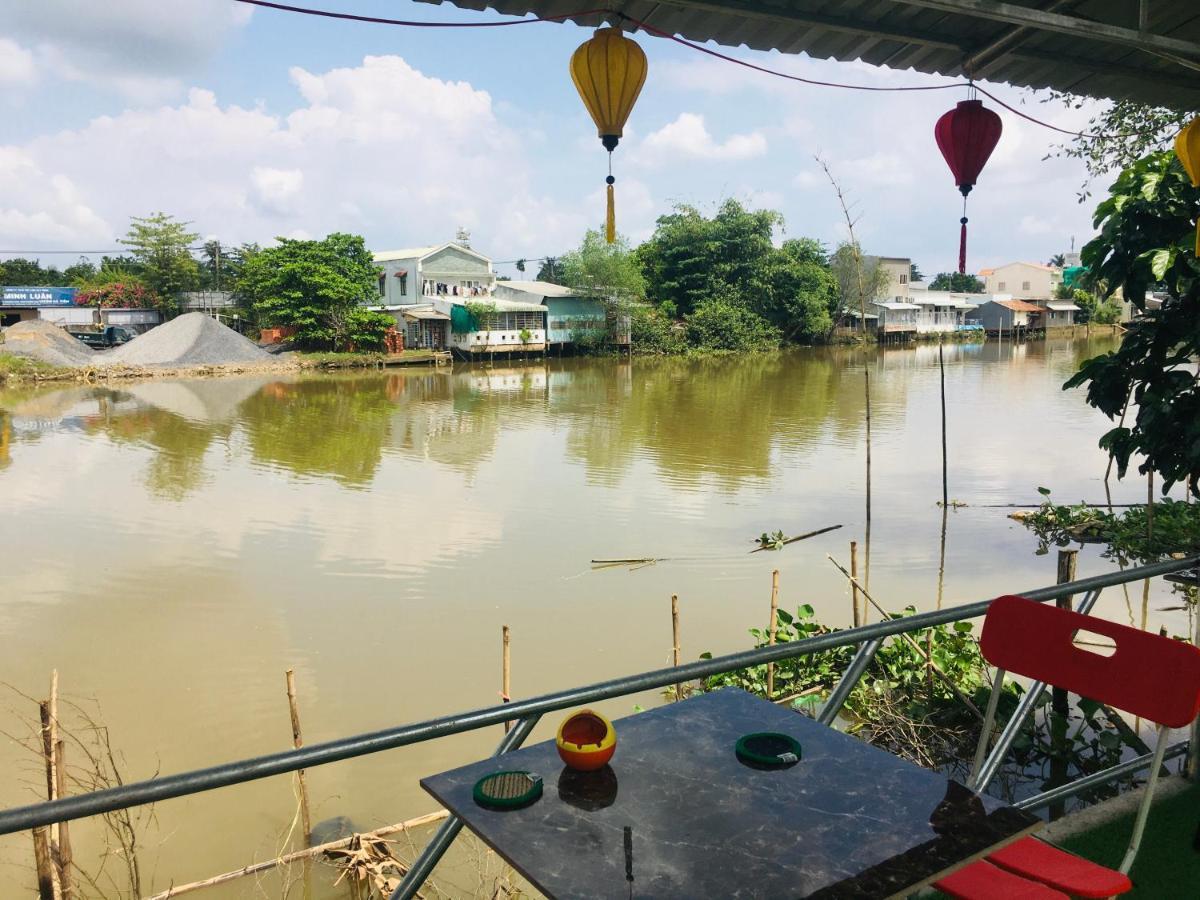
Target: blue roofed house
[(569, 314)]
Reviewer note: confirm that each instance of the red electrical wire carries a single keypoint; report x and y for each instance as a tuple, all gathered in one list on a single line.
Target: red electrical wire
[(657, 32)]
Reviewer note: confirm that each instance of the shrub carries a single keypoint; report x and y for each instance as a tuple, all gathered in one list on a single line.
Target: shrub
[(652, 334), (719, 324), (126, 294)]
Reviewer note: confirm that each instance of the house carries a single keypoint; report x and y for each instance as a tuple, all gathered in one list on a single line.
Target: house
[(1056, 314), (944, 311), (568, 313), (412, 279), (896, 320), (898, 268), (1003, 316), (505, 326), (1023, 280), (418, 275)]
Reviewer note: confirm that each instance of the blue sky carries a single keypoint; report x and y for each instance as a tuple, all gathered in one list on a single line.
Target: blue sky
[(255, 123)]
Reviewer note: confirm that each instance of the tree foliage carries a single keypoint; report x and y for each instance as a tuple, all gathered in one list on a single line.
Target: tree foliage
[(122, 294), (861, 279), (317, 288), (721, 322), (597, 268), (692, 260), (1147, 240), (162, 248), (960, 283), (1120, 135)]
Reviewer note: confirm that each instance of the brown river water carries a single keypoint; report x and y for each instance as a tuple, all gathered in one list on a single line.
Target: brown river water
[(172, 547)]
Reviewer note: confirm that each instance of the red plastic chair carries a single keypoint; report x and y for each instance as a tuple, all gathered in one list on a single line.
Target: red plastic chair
[(1147, 675)]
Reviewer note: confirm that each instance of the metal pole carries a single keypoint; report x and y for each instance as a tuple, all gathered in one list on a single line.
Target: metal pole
[(424, 864), (23, 818), (1013, 726), (1098, 778), (839, 695)]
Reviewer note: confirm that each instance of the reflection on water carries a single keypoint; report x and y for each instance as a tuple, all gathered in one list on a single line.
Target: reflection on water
[(173, 546)]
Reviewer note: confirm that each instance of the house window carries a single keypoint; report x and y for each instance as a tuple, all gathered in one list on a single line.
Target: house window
[(904, 279), (1024, 285), (403, 279), (1000, 286)]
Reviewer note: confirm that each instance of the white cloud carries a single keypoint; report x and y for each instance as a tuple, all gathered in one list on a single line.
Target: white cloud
[(140, 48), (16, 64), (276, 188), (378, 149), (688, 137)]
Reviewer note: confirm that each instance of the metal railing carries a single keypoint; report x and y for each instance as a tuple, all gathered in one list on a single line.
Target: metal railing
[(526, 713)]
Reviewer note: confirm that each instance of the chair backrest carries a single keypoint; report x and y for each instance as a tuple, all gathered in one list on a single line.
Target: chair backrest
[(1147, 675)]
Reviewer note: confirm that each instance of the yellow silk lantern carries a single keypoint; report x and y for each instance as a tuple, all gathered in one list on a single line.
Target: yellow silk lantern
[(1187, 148), (609, 70)]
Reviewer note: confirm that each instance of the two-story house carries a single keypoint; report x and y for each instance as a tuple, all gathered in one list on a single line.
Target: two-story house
[(1035, 284)]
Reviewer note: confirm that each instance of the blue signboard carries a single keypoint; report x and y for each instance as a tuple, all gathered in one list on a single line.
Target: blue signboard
[(37, 296)]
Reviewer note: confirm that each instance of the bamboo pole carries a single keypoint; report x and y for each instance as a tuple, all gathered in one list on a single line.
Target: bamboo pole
[(772, 623), (945, 679), (675, 640), (867, 567), (854, 582), (298, 742), (64, 859), (284, 860), (1150, 507), (506, 670), (41, 858), (942, 370), (47, 722)]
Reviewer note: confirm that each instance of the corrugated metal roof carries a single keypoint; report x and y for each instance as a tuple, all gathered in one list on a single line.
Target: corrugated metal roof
[(540, 288), (895, 305), (1088, 47), (426, 312), (408, 253), (1061, 307), (1019, 306)]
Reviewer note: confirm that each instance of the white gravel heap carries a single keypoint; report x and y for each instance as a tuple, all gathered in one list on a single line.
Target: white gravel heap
[(193, 339), (46, 342)]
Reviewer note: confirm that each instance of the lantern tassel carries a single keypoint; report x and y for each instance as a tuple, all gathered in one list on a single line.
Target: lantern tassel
[(610, 219)]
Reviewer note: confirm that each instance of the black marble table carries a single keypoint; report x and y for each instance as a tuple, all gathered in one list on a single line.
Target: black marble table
[(676, 814)]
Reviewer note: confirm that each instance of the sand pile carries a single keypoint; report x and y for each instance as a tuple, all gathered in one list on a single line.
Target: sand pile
[(190, 340), (40, 340)]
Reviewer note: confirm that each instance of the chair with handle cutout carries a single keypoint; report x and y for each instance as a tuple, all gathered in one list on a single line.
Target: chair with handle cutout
[(1147, 675)]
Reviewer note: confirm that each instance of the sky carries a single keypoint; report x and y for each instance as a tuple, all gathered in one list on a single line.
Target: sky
[(252, 124)]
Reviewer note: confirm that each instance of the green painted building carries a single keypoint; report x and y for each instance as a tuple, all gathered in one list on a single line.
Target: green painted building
[(567, 312)]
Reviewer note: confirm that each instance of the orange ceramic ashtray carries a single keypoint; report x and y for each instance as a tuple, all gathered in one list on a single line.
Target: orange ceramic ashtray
[(586, 741)]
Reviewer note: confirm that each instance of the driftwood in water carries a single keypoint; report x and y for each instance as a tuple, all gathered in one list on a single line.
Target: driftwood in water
[(799, 537), (263, 866)]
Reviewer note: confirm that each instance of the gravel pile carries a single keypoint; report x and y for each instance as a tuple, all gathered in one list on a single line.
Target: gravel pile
[(190, 340), (45, 342)]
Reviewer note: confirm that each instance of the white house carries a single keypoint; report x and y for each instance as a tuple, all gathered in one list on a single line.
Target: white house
[(1023, 280), (418, 275), (944, 311), (501, 326)]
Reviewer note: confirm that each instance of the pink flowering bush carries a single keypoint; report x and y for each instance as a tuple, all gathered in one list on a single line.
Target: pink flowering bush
[(121, 295)]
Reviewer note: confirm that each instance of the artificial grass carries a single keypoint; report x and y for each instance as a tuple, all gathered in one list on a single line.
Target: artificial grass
[(1168, 861)]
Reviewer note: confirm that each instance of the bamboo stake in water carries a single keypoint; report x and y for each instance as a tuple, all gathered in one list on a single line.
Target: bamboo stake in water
[(867, 568), (942, 369), (675, 639), (1150, 507), (51, 791), (771, 626), (506, 671), (65, 859), (854, 583), (298, 742), (45, 868)]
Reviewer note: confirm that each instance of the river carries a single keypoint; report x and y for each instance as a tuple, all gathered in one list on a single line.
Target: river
[(172, 547)]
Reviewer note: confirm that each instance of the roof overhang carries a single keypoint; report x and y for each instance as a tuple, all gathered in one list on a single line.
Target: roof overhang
[(1143, 50)]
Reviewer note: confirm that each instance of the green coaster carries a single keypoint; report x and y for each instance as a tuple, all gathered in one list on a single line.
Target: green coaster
[(768, 750), (507, 790)]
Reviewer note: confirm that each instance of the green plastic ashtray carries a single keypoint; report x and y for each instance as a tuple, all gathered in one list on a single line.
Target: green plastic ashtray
[(507, 790), (768, 750)]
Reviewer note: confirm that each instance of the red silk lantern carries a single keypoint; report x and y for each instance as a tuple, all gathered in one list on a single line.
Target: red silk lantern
[(967, 135)]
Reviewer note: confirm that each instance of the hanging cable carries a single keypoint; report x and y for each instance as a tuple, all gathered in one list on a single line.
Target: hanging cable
[(699, 48)]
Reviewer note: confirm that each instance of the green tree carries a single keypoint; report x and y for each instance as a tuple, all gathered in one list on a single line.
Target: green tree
[(317, 287), (162, 247), (959, 282), (721, 322), (797, 292), (599, 269), (1098, 310), (21, 271), (81, 270), (550, 270), (1147, 239), (915, 273), (1058, 259)]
